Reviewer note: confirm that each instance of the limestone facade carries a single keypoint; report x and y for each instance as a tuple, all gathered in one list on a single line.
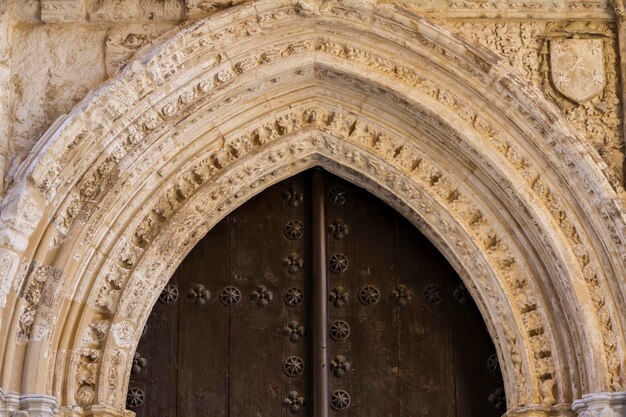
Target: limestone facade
[(130, 128)]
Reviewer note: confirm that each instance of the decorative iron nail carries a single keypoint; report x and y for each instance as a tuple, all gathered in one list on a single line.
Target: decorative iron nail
[(340, 366), (293, 366), (169, 294), (339, 296), (198, 294), (338, 263), (262, 296), (138, 363), (293, 263), (338, 229), (294, 402), (369, 295), (293, 196), (230, 296), (339, 330), (294, 229), (460, 294), (337, 195), (498, 399), (340, 400), (293, 296), (493, 364), (135, 398), (433, 294), (401, 295), (294, 331)]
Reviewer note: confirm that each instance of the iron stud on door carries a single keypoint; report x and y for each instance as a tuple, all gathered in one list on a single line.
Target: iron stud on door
[(198, 294), (293, 366), (293, 296), (339, 296), (294, 229), (169, 294), (262, 296), (230, 296), (339, 330), (338, 263), (294, 402), (293, 263), (401, 295), (369, 295), (294, 331), (340, 400), (340, 366)]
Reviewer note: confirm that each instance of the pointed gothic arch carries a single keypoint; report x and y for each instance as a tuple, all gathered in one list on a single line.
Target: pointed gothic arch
[(115, 194)]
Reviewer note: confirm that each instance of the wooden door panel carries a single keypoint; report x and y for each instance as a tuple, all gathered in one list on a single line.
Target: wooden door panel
[(237, 341), (203, 349), (425, 327), (372, 345), (479, 385), (155, 364), (266, 260)]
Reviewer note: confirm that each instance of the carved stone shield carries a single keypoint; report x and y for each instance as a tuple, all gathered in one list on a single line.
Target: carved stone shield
[(577, 68)]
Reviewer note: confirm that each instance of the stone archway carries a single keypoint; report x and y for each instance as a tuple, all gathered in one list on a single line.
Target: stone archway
[(117, 193)]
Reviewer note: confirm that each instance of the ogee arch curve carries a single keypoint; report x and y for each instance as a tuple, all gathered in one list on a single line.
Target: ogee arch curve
[(123, 187)]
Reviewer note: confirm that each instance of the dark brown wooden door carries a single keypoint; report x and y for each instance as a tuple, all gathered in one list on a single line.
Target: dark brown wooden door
[(232, 333)]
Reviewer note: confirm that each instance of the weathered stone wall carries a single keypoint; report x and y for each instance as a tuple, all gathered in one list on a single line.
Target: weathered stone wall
[(6, 24)]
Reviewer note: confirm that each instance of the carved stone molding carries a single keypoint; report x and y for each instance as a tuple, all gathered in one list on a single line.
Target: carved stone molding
[(62, 11), (601, 404), (118, 192), (29, 405), (597, 10)]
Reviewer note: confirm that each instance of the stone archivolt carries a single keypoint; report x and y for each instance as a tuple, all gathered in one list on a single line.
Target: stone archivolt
[(113, 197)]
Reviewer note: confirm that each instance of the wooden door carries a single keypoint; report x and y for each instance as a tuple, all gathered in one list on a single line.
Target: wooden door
[(233, 332)]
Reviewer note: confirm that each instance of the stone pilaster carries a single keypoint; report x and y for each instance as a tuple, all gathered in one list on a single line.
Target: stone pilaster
[(559, 410), (38, 405), (9, 403), (29, 405), (601, 404)]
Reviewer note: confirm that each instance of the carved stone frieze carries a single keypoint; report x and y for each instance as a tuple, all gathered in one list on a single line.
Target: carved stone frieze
[(134, 10), (62, 11), (9, 263), (87, 366), (115, 361), (198, 8), (38, 293), (123, 333), (123, 42), (525, 9)]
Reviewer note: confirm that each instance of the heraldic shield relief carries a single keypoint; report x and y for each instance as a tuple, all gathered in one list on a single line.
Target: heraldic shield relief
[(577, 68)]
